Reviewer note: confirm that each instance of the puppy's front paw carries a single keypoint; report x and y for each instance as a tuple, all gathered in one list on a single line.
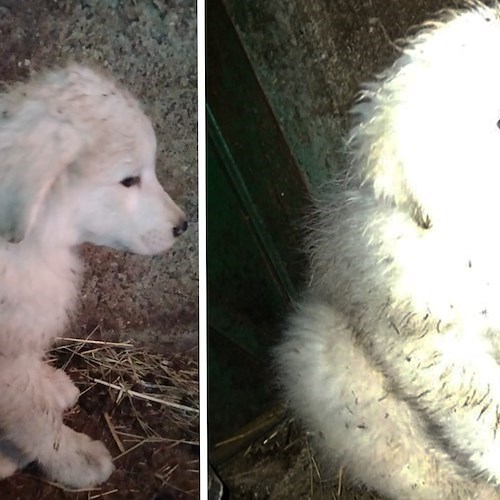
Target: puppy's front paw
[(8, 466), (65, 392), (78, 461)]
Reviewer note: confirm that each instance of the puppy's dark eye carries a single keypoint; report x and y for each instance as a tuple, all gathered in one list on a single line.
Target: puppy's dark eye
[(131, 181)]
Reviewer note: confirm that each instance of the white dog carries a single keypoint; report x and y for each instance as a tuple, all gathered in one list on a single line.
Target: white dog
[(393, 356), (77, 164)]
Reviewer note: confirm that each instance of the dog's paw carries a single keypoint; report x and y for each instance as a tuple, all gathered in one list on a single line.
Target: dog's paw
[(8, 466), (65, 392), (79, 462)]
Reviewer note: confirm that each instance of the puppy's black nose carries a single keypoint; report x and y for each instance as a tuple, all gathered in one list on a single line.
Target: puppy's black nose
[(179, 229)]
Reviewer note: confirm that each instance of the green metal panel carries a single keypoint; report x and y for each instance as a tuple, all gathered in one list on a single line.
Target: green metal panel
[(242, 290), (255, 195)]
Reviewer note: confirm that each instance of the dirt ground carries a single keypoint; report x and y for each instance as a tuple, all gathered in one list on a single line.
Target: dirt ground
[(144, 406), (280, 464), (150, 46)]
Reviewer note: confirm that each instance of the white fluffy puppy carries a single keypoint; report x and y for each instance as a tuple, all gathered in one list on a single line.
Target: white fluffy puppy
[(77, 164), (392, 358)]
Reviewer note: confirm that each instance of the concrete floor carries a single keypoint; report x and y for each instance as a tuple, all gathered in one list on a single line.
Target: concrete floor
[(150, 46)]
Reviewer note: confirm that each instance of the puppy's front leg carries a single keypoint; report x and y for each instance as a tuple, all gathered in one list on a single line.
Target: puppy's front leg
[(450, 377), (31, 419)]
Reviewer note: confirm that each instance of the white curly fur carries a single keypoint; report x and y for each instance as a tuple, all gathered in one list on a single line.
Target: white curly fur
[(392, 357), (68, 139)]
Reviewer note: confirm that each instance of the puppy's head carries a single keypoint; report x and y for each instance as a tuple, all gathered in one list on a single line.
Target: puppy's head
[(123, 204), (428, 136), (78, 163)]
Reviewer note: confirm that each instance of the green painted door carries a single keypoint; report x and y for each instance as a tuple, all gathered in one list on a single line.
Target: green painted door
[(255, 197)]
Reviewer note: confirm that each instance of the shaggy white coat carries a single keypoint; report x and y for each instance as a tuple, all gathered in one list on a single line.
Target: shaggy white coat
[(77, 164), (392, 357)]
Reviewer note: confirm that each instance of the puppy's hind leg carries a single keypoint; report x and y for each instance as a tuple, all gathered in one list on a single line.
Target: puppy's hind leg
[(359, 423), (74, 459), (31, 419)]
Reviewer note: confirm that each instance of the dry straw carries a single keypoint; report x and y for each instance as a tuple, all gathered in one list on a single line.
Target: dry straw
[(132, 374)]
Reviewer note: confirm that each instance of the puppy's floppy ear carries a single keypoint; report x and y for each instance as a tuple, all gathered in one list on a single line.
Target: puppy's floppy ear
[(36, 147)]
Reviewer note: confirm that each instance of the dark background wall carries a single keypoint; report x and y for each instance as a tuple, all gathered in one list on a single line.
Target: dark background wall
[(311, 56)]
